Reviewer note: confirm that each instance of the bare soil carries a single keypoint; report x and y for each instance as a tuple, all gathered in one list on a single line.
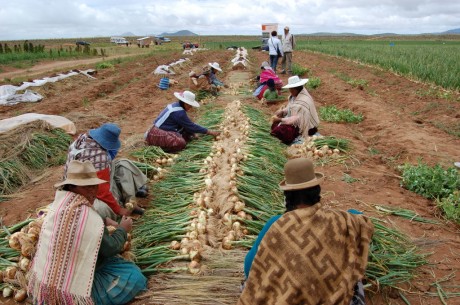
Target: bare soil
[(400, 125)]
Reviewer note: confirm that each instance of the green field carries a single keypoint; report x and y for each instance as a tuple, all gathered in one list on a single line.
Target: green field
[(430, 59), (436, 62)]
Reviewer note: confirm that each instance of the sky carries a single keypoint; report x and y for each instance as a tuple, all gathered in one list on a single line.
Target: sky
[(42, 19)]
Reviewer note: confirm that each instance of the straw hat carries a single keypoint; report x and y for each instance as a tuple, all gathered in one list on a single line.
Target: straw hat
[(295, 81), (215, 65), (187, 97), (286, 28), (299, 174), (107, 136), (265, 65), (81, 173)]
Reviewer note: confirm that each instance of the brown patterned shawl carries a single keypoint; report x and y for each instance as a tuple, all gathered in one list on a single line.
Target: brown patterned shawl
[(63, 267), (309, 256)]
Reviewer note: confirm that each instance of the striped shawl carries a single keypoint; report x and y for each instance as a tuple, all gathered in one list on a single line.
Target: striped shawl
[(63, 267)]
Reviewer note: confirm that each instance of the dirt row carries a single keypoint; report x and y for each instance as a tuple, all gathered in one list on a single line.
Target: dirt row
[(399, 126)]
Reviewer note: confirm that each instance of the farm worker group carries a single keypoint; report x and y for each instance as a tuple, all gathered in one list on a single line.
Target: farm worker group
[(123, 179), (310, 254), (76, 260), (172, 129), (267, 75)]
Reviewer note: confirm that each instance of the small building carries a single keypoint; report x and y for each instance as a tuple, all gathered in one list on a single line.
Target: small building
[(144, 42)]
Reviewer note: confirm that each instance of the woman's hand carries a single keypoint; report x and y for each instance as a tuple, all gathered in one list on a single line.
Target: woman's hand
[(110, 222), (126, 223), (276, 119), (213, 133)]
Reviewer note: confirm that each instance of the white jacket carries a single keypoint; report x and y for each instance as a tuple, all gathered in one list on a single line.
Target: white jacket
[(273, 44)]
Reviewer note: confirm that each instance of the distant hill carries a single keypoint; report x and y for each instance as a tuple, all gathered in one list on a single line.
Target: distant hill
[(332, 34), (128, 34), (180, 33), (453, 31)]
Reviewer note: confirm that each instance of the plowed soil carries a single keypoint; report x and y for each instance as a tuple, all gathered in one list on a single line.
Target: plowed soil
[(401, 124)]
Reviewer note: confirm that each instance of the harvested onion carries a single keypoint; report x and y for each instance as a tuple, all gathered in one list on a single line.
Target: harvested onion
[(20, 295), (7, 292)]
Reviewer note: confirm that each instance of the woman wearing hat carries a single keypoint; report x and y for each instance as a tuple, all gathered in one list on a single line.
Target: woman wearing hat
[(123, 179), (209, 74), (310, 254), (299, 118), (172, 129), (76, 260), (266, 74)]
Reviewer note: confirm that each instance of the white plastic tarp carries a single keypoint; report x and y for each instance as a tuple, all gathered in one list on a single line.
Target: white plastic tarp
[(8, 92), (54, 120)]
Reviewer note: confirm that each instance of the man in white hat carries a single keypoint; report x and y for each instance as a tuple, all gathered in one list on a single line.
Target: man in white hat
[(299, 118), (172, 129), (288, 46)]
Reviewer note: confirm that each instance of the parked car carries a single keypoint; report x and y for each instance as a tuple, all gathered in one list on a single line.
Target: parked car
[(82, 43)]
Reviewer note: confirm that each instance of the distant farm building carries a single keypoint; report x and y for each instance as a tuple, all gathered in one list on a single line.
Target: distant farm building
[(144, 42)]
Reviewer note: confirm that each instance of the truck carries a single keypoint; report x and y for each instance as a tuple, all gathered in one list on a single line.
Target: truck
[(267, 29), (118, 40), (161, 39)]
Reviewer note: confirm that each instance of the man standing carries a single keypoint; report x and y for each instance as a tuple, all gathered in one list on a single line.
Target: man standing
[(288, 46)]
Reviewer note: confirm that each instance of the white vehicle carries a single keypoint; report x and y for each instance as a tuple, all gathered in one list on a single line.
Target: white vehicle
[(118, 40)]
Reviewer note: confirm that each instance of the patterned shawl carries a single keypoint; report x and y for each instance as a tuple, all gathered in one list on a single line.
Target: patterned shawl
[(303, 106), (63, 267), (85, 148), (309, 256)]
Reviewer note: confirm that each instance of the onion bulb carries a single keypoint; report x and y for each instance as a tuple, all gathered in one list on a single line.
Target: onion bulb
[(195, 255), (7, 292), (236, 226), (194, 267), (239, 206), (20, 295), (226, 243), (24, 264), (208, 182), (10, 272), (241, 214), (14, 241), (175, 245)]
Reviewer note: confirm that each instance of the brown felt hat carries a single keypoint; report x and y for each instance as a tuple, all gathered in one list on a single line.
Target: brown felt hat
[(299, 174), (81, 173)]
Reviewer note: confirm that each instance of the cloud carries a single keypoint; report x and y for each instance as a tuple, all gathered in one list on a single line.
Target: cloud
[(27, 19)]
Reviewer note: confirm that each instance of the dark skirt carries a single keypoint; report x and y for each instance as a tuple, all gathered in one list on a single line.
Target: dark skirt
[(169, 141), (286, 133)]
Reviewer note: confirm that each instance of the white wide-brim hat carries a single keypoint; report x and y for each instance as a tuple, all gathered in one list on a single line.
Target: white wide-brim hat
[(187, 97), (215, 65), (295, 81)]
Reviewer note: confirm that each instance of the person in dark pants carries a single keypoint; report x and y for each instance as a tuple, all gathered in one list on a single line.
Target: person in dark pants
[(275, 50)]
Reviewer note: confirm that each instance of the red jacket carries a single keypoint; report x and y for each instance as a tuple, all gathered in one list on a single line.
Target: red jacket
[(103, 192)]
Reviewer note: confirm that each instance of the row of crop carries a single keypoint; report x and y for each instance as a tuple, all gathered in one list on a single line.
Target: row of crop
[(428, 62), (393, 258)]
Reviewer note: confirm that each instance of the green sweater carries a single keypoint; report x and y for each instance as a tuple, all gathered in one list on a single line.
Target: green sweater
[(111, 245), (270, 95)]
